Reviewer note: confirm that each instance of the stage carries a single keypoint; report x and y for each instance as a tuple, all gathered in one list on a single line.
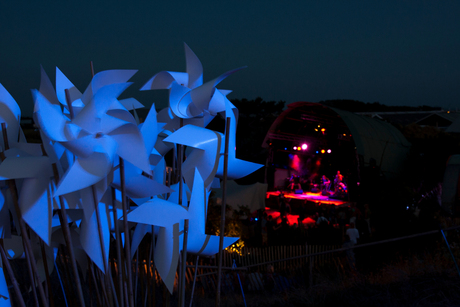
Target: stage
[(316, 198), (311, 203)]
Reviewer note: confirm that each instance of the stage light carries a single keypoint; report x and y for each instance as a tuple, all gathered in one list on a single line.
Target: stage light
[(323, 129), (298, 148), (295, 148), (317, 151), (316, 129), (285, 148), (329, 151), (304, 146), (323, 151)]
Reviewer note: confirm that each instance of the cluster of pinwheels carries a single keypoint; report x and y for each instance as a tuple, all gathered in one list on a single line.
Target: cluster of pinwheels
[(94, 148)]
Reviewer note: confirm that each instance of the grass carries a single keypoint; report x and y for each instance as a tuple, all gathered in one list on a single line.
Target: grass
[(421, 278)]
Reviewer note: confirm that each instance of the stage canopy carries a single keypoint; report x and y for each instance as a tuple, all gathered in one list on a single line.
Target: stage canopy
[(375, 140)]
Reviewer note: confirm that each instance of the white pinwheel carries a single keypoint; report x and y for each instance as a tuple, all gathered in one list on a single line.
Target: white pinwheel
[(102, 130), (188, 96), (170, 217), (24, 162), (237, 168)]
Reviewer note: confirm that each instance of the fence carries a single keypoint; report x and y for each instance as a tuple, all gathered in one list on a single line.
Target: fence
[(256, 255), (289, 262), (252, 257)]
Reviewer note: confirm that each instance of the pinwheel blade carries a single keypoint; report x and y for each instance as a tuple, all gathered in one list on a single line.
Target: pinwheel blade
[(62, 84), (89, 237)]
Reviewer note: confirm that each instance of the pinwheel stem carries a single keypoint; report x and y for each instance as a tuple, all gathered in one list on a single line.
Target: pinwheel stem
[(179, 165), (48, 280), (126, 232), (69, 103), (118, 247), (222, 217), (194, 279), (101, 280), (136, 276), (15, 283), (183, 266), (62, 213), (152, 297), (93, 278), (108, 284), (92, 68), (22, 225), (150, 281), (66, 275), (31, 274)]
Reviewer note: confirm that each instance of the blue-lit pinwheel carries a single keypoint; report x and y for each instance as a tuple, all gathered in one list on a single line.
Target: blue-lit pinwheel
[(188, 96), (192, 100), (86, 137), (170, 217), (101, 131), (24, 161), (96, 132), (237, 168)]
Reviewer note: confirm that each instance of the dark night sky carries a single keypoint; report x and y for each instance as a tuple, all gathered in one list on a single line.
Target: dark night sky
[(393, 52)]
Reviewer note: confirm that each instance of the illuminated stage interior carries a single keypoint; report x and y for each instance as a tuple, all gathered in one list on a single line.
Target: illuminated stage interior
[(306, 142), (312, 202)]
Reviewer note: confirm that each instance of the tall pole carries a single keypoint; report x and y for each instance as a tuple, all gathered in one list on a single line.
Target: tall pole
[(63, 218), (183, 266), (118, 247), (13, 280), (180, 156), (181, 288), (126, 233), (222, 214), (113, 300)]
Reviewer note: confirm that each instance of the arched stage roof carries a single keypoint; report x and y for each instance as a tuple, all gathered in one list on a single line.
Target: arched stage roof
[(373, 138)]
